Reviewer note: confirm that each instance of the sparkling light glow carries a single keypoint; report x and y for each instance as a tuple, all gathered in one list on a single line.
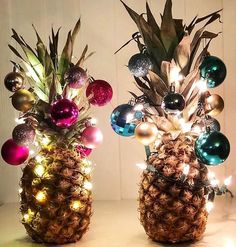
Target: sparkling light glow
[(209, 206), (88, 185), (93, 121), (175, 76), (45, 140), (129, 117), (20, 190), (142, 166), (87, 170), (76, 205), (186, 169), (19, 120), (138, 107), (201, 85), (31, 152), (41, 196), (28, 216), (214, 182), (227, 181), (39, 158), (39, 170)]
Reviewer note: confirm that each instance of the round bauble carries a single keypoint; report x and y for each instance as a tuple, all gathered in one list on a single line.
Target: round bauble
[(91, 137), (214, 105), (13, 153), (14, 81), (23, 100), (83, 151), (213, 70), (146, 133), (173, 103), (119, 120), (212, 124), (64, 113), (99, 92), (75, 77), (139, 65), (23, 134), (212, 148)]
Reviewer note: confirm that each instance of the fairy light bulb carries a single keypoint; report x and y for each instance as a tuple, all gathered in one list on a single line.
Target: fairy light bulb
[(214, 182), (76, 205), (186, 169), (41, 196), (87, 170), (93, 121), (129, 117), (39, 170), (88, 185), (39, 158), (31, 152), (27, 217), (19, 120), (20, 190), (138, 107), (201, 85), (209, 206), (142, 166), (45, 140)]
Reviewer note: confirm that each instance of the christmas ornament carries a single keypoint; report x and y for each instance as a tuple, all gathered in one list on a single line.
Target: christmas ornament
[(64, 113), (91, 137), (139, 65), (212, 148), (14, 81), (214, 105), (99, 92), (23, 100), (138, 115), (119, 120), (83, 151), (212, 123), (213, 70), (75, 77), (13, 153), (146, 133), (23, 134), (173, 103)]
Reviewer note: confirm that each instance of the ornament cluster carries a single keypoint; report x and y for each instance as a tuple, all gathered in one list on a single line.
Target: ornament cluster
[(135, 118), (63, 113)]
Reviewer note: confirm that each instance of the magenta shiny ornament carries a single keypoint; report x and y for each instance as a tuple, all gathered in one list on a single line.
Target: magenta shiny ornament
[(13, 153), (75, 77), (91, 137), (64, 113), (99, 92), (83, 151)]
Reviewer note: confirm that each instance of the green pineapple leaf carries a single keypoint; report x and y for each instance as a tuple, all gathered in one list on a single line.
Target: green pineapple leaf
[(53, 46)]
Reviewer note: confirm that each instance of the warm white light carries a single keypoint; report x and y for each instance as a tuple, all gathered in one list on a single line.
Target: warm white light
[(19, 120), (28, 216), (41, 196), (214, 182), (93, 121), (175, 76), (20, 190), (39, 158), (86, 162), (202, 85), (138, 107), (142, 166), (186, 169), (210, 174), (87, 170), (197, 129), (186, 127), (209, 206), (88, 185), (76, 205), (45, 140), (39, 170), (129, 117), (31, 152), (227, 181)]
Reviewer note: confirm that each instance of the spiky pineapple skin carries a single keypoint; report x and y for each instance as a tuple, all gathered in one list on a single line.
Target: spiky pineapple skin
[(169, 211), (54, 221)]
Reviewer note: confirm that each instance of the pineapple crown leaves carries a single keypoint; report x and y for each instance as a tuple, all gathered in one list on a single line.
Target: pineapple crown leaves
[(171, 40), (45, 68)]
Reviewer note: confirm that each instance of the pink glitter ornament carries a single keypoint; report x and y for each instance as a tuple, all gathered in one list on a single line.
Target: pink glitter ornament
[(100, 92), (91, 137), (13, 153), (83, 151), (64, 113)]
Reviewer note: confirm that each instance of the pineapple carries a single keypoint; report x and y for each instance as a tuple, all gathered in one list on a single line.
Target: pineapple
[(174, 185), (56, 184), (170, 212), (53, 190)]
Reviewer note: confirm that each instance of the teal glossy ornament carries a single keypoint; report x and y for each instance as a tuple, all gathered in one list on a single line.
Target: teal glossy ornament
[(212, 148), (213, 70), (120, 120), (138, 115)]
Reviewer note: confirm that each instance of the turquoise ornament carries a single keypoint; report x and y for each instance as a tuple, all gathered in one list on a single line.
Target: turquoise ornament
[(119, 120), (212, 148), (213, 70)]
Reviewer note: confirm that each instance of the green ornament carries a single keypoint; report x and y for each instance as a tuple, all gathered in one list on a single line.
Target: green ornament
[(213, 70), (212, 148)]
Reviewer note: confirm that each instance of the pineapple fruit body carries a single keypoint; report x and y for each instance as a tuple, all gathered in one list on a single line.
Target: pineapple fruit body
[(56, 207), (172, 211)]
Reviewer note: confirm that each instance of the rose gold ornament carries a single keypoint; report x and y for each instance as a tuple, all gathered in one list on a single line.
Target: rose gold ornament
[(146, 133), (214, 105)]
